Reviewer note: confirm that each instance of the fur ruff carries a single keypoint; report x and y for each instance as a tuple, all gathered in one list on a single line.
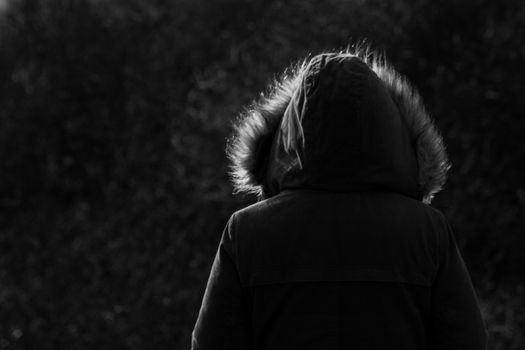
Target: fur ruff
[(250, 144)]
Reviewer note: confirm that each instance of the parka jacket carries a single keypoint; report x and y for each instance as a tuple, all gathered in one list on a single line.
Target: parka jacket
[(344, 250)]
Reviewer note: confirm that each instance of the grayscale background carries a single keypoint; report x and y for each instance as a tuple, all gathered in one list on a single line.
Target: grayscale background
[(114, 116)]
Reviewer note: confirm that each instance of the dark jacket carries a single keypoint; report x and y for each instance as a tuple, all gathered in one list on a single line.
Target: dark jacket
[(342, 253)]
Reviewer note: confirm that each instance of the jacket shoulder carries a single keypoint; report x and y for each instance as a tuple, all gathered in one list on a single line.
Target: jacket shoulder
[(263, 206)]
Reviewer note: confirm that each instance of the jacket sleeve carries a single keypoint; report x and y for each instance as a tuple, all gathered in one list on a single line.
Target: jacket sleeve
[(224, 316), (456, 320)]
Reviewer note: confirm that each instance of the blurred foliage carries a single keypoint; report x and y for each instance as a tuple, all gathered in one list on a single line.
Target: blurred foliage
[(113, 122)]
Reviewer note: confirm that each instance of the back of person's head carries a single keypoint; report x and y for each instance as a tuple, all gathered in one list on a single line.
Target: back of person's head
[(339, 121)]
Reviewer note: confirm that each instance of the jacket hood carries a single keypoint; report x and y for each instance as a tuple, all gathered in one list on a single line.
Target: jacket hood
[(341, 122)]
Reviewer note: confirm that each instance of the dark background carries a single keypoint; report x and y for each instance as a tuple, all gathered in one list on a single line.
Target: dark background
[(113, 121)]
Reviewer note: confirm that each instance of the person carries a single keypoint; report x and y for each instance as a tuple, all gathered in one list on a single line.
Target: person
[(343, 250)]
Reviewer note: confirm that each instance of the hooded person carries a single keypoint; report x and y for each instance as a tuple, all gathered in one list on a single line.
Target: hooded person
[(343, 250)]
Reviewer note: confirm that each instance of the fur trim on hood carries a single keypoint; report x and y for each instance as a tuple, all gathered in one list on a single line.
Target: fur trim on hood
[(254, 133)]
